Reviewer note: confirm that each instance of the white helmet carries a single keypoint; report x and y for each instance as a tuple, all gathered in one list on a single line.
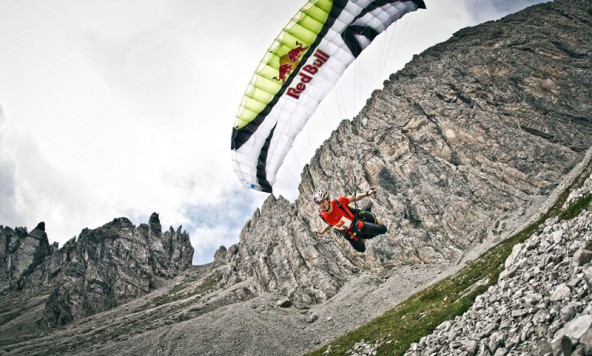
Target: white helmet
[(320, 196)]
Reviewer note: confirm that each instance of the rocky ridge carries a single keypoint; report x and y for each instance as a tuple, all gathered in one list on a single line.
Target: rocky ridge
[(101, 269)]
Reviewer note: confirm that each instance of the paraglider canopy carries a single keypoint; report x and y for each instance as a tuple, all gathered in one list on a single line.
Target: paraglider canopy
[(299, 69)]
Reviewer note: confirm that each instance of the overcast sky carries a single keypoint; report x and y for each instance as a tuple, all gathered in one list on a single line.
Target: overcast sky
[(124, 108)]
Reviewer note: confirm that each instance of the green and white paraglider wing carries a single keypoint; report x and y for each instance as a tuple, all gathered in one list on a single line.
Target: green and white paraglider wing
[(297, 72)]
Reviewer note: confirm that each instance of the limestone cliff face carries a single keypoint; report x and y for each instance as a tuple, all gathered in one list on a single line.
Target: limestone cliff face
[(470, 133), (282, 255), (20, 253), (103, 268)]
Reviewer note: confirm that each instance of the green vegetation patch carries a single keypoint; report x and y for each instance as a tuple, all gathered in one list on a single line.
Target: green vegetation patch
[(395, 331), (576, 208), (210, 283), (182, 292)]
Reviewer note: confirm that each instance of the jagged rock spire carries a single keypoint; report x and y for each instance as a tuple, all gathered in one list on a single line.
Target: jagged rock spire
[(155, 229)]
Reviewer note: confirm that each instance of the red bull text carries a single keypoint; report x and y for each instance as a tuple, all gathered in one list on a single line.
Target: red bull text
[(307, 73)]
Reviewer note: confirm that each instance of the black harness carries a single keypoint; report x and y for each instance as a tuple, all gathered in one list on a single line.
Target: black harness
[(353, 230)]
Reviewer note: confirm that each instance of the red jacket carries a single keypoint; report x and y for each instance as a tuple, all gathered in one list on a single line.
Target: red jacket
[(340, 218)]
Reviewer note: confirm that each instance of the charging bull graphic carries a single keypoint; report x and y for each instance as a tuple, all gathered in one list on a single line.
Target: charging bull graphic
[(289, 61)]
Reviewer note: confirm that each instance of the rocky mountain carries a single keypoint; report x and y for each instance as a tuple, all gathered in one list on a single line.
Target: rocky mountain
[(473, 139), (101, 269), (472, 135)]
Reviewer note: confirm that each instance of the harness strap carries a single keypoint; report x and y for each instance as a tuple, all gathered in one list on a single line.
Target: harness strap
[(347, 212), (354, 224)]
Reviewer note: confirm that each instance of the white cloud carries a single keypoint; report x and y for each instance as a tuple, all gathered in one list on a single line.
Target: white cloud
[(481, 11), (125, 108), (36, 191), (218, 223), (7, 178)]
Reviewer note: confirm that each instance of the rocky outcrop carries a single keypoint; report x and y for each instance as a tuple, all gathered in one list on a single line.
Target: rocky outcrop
[(541, 305), (101, 269), (469, 138), (20, 253), (280, 254)]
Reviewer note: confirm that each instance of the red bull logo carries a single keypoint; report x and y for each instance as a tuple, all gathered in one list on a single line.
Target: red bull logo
[(307, 73), (289, 61)]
